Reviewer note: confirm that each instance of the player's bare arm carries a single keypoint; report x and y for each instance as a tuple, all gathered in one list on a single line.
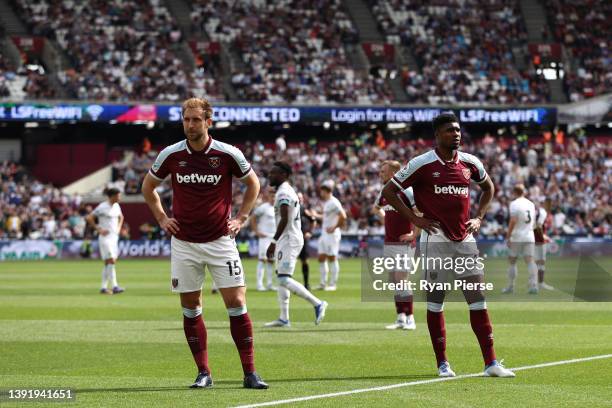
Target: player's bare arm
[(248, 202), (284, 219), (488, 190), (169, 225), (390, 194), (376, 210), (121, 218), (92, 222), (511, 226)]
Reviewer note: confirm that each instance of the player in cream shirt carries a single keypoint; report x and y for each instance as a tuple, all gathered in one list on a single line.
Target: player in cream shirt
[(333, 218), (287, 245), (521, 239), (264, 226), (110, 219)]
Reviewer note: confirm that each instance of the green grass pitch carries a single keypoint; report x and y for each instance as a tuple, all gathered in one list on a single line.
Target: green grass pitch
[(56, 331)]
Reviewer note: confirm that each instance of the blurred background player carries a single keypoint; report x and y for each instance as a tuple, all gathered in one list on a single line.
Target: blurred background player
[(333, 218), (264, 226), (286, 246), (441, 180), (110, 219), (399, 235), (203, 233), (541, 239), (307, 226), (521, 239)]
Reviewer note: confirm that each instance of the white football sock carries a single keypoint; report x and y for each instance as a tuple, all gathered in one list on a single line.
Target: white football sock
[(113, 274), (104, 277), (511, 275), (299, 289), (323, 268), (335, 271), (532, 268), (260, 273), (283, 301), (269, 273)]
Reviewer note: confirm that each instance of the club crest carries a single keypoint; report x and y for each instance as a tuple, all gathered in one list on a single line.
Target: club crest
[(174, 283), (467, 173), (214, 162)]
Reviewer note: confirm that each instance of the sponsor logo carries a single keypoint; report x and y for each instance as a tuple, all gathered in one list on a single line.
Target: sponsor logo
[(453, 190), (94, 111), (182, 164), (174, 282), (467, 173), (214, 162), (436, 174), (213, 179)]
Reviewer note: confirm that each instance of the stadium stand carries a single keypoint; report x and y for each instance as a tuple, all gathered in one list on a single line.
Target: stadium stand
[(119, 50), (291, 51), (583, 27), (464, 49)]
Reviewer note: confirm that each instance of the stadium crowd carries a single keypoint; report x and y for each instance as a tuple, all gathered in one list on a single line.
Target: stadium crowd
[(464, 49), (570, 180), (119, 50), (291, 51), (583, 27)]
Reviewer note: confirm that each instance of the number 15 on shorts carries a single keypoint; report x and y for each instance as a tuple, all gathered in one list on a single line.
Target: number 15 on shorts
[(234, 267)]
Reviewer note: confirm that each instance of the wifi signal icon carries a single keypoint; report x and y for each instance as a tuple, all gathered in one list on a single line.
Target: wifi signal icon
[(94, 111)]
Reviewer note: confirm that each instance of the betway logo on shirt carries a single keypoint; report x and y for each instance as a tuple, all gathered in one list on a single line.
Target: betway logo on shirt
[(453, 190), (213, 179)]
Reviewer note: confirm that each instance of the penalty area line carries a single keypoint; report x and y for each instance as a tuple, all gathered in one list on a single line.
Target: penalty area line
[(420, 382)]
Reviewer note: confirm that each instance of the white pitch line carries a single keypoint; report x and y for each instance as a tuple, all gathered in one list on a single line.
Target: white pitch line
[(408, 384)]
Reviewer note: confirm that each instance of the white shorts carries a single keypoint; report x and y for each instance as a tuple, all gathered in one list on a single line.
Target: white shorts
[(445, 259), (286, 256), (392, 250), (188, 260), (109, 247), (329, 244), (263, 244), (523, 249), (540, 252)]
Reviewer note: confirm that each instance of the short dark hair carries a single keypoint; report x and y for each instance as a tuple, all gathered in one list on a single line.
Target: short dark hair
[(443, 119), (285, 167), (109, 192)]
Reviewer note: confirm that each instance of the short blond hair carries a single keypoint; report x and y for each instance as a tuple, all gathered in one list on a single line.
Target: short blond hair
[(198, 103), (394, 164)]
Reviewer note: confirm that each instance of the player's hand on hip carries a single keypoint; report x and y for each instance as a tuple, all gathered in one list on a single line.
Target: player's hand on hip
[(473, 225), (270, 251), (234, 225), (169, 225), (407, 237), (330, 230), (103, 231), (426, 224)]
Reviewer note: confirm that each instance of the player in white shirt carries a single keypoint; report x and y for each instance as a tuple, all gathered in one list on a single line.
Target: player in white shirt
[(521, 239), (287, 245), (110, 219), (264, 226), (333, 218)]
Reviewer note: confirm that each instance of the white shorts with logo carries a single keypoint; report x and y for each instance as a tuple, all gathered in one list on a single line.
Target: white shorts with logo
[(392, 250), (188, 260), (263, 244), (286, 256), (521, 249), (109, 247), (329, 244), (446, 260), (540, 252)]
